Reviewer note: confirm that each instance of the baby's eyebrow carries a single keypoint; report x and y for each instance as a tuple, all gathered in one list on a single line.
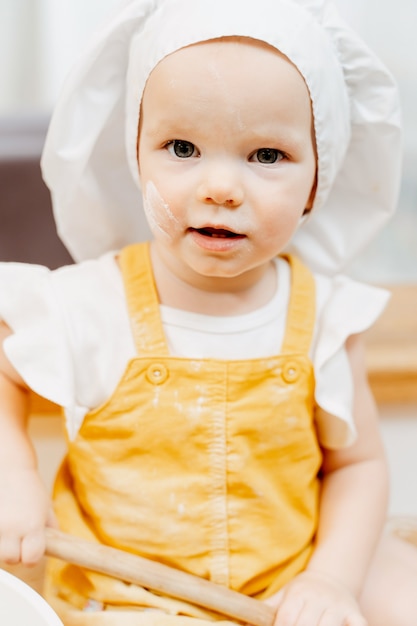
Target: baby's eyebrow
[(170, 126), (278, 136)]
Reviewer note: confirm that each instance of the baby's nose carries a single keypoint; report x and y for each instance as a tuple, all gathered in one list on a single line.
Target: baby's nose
[(221, 185)]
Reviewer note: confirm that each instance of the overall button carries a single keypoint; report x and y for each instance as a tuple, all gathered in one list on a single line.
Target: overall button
[(291, 372), (157, 373)]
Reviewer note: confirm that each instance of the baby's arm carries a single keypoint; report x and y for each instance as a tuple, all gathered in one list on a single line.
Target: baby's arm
[(352, 513), (24, 501)]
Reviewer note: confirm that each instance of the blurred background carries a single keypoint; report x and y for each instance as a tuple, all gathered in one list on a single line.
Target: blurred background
[(40, 40)]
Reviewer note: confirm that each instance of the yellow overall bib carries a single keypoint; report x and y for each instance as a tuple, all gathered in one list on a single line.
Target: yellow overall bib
[(206, 465)]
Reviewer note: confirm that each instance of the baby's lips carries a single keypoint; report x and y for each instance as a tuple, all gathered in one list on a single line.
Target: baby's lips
[(212, 231)]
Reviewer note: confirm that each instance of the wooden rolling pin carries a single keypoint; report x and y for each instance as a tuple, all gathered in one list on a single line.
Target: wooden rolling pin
[(158, 577)]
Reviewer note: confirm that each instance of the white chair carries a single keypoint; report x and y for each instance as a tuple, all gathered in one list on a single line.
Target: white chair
[(20, 605)]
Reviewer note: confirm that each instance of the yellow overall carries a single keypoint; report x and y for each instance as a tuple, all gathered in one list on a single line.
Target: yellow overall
[(209, 466)]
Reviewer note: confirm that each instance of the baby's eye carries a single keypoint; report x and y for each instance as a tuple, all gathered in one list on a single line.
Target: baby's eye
[(267, 156), (182, 149)]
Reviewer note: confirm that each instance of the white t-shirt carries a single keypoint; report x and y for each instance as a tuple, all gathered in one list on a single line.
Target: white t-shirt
[(72, 338)]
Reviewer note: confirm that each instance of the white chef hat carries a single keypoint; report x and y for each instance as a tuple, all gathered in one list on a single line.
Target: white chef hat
[(89, 160)]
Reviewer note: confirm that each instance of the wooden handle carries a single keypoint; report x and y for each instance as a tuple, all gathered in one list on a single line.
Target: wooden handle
[(158, 577)]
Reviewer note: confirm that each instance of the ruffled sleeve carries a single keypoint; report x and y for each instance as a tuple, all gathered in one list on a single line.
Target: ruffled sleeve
[(38, 347), (345, 307), (60, 343)]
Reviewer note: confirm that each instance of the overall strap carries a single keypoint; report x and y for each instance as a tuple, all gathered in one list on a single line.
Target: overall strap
[(302, 309), (142, 300)]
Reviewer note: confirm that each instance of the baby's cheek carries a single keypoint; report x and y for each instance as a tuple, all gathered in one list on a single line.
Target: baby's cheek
[(161, 219), (279, 226)]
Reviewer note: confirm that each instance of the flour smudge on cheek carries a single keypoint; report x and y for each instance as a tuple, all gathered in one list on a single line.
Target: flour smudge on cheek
[(161, 220)]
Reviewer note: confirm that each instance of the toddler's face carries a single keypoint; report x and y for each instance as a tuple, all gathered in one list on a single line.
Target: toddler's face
[(226, 156)]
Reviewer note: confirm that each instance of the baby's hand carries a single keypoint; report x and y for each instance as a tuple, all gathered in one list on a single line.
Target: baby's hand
[(312, 599), (24, 513)]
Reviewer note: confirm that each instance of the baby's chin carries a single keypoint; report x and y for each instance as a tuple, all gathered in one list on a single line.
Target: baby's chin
[(221, 274)]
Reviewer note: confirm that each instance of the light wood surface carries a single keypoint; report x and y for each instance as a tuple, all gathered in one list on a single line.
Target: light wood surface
[(392, 348)]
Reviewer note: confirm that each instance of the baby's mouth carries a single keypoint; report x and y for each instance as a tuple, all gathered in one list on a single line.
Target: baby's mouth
[(220, 233)]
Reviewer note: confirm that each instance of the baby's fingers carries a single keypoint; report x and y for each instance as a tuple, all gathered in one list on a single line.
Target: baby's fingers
[(27, 550), (10, 549), (333, 618), (33, 547), (316, 616), (289, 613), (303, 612)]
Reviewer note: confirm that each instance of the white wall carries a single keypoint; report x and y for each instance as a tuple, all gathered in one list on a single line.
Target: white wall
[(399, 430), (388, 27), (39, 41)]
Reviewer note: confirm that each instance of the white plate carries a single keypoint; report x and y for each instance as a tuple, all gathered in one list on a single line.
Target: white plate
[(20, 605)]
